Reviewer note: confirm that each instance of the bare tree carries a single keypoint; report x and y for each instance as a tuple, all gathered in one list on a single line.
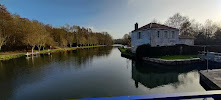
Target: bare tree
[(176, 20), (186, 29), (126, 39), (155, 21)]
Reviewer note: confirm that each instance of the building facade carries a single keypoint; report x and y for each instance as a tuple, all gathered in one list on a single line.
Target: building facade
[(157, 35)]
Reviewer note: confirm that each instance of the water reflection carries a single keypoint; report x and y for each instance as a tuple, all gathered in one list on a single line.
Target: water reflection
[(154, 75), (90, 73), (16, 73)]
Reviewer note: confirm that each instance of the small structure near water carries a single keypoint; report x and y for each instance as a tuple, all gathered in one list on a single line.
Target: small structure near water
[(211, 79)]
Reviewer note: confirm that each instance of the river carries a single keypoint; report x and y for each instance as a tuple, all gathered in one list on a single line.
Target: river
[(91, 73)]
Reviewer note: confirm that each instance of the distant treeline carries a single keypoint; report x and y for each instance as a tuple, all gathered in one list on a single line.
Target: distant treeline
[(124, 41), (18, 33), (208, 33)]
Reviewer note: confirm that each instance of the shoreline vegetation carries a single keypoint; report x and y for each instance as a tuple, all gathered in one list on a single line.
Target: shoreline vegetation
[(12, 55), (126, 53), (21, 35)]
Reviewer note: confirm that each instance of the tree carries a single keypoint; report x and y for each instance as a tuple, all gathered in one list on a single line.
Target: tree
[(126, 39), (21, 32), (209, 28), (200, 39), (186, 29), (176, 21), (155, 21), (31, 36), (70, 38), (41, 34), (6, 24), (217, 37), (69, 34)]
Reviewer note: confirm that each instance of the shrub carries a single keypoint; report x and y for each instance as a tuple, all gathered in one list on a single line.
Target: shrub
[(148, 51)]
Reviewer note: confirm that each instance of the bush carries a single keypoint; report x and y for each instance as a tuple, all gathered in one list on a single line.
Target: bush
[(214, 48), (148, 51)]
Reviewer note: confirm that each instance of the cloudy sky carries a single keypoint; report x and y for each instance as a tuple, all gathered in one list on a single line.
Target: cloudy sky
[(114, 16)]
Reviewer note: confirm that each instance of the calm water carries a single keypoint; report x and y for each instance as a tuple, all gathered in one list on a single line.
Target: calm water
[(87, 73)]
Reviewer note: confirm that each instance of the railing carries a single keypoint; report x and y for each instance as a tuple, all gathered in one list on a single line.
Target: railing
[(216, 94), (212, 56)]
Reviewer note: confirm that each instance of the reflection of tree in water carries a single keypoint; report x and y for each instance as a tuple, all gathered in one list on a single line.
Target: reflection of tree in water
[(22, 67), (86, 56), (154, 75), (13, 67)]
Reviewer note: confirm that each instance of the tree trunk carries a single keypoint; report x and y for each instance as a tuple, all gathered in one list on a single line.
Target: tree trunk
[(43, 47), (32, 50), (39, 48)]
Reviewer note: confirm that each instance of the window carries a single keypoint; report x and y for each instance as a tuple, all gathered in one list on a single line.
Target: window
[(173, 34), (165, 35), (139, 35), (158, 34)]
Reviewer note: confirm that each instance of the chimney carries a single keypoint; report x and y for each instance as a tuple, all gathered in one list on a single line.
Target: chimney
[(136, 26)]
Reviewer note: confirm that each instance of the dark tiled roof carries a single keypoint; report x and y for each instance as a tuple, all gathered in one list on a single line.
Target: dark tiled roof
[(154, 25)]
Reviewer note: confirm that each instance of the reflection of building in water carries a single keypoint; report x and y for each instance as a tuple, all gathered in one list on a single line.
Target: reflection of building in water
[(152, 80), (152, 76)]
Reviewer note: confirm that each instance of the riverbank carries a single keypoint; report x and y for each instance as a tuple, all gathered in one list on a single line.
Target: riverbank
[(172, 61), (174, 57), (16, 54), (125, 53)]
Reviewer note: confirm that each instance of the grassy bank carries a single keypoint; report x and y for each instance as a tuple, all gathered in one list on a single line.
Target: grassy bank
[(124, 51), (7, 57), (178, 57), (12, 55), (67, 49)]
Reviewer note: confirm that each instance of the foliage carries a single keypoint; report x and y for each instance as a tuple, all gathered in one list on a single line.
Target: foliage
[(176, 20), (205, 34), (148, 51), (126, 39), (17, 32), (126, 51)]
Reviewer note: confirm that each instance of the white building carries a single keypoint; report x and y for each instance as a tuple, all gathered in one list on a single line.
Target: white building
[(157, 35)]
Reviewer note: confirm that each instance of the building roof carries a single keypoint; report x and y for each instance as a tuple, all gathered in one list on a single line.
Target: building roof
[(154, 25)]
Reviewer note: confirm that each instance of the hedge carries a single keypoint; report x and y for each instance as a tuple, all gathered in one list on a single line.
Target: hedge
[(148, 51)]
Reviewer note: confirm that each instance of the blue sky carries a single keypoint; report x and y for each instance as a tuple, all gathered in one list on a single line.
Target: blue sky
[(114, 16)]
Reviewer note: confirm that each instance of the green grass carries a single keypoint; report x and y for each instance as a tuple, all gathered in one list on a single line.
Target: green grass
[(124, 51), (7, 57), (178, 57), (67, 49), (14, 55)]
